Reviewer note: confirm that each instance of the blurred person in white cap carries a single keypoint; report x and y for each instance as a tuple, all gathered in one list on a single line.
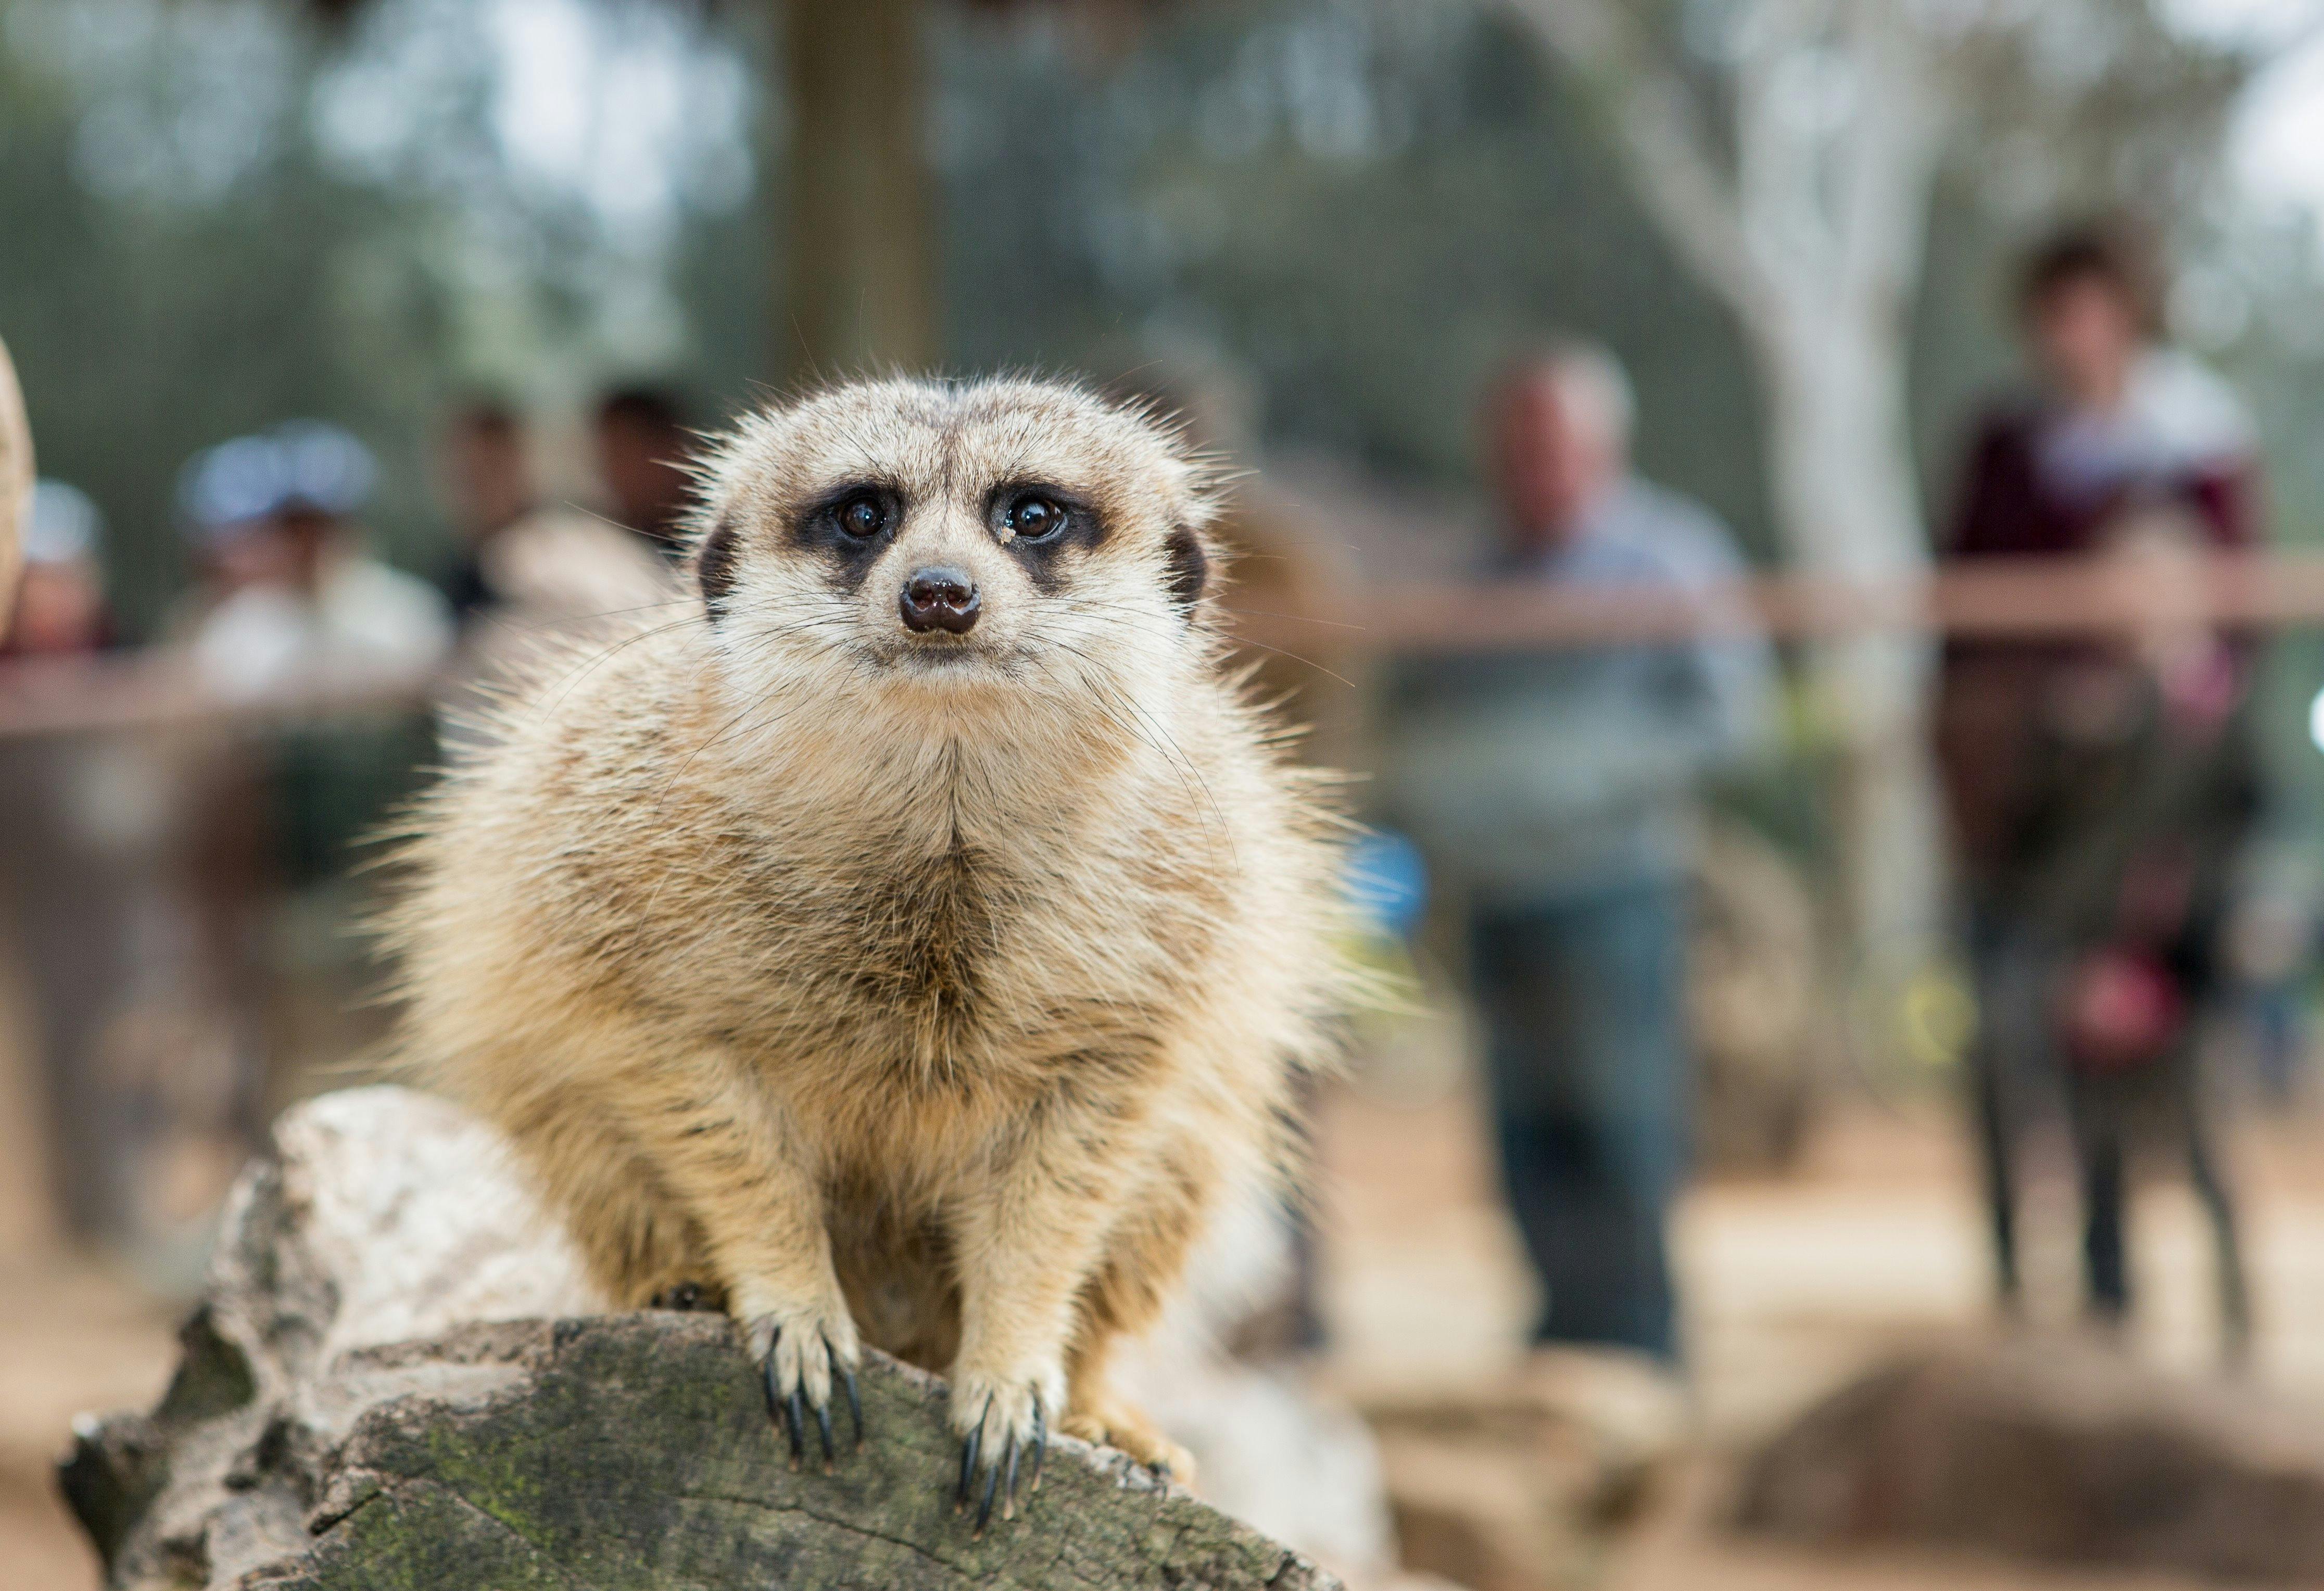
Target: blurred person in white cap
[(60, 603), (295, 597), (292, 603)]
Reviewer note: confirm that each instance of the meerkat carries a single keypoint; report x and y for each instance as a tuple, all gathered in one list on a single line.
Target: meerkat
[(915, 936)]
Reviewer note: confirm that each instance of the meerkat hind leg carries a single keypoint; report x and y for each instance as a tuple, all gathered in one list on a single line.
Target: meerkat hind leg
[(640, 1248), (1096, 1412), (1125, 1298)]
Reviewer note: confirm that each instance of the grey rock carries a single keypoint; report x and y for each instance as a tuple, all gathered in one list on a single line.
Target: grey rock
[(2059, 1449), (1521, 1481), (396, 1382)]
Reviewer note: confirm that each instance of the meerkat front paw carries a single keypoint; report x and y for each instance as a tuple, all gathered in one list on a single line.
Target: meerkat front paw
[(802, 1352), (1003, 1421)]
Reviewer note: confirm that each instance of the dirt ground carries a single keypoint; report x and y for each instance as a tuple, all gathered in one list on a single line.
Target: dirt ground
[(1791, 1285)]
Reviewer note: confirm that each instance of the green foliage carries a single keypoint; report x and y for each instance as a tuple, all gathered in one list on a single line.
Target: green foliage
[(226, 214), (1368, 207)]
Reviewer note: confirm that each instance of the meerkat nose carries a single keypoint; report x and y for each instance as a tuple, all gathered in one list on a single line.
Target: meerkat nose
[(939, 598)]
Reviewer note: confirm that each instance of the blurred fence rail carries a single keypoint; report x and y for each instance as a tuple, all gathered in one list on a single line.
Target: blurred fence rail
[(2020, 598), (160, 688)]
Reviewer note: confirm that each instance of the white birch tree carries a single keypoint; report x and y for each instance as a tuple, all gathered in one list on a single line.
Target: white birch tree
[(1789, 152)]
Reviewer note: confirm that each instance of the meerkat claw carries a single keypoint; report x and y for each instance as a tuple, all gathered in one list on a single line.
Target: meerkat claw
[(792, 1394), (992, 1487), (847, 1374), (996, 1450), (798, 1423), (968, 1452)]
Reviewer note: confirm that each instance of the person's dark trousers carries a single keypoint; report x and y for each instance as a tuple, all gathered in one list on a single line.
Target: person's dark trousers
[(2011, 1051), (1583, 1000), (2104, 1112)]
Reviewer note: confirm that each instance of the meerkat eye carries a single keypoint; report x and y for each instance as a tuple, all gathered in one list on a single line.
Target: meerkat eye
[(1035, 518), (864, 515)]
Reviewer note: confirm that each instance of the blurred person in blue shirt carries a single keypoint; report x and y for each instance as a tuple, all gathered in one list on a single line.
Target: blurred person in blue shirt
[(1557, 791)]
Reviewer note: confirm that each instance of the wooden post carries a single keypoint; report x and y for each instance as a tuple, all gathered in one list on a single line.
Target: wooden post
[(15, 484), (861, 293)]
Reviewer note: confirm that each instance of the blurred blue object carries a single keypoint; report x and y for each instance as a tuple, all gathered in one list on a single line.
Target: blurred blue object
[(301, 464), (1387, 883), (65, 527)]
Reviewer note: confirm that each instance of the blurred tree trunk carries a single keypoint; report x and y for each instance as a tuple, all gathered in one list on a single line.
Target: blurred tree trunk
[(1805, 214), (15, 484), (861, 293), (28, 1216)]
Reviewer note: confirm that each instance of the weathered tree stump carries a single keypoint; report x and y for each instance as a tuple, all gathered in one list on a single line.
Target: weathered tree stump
[(589, 1451)]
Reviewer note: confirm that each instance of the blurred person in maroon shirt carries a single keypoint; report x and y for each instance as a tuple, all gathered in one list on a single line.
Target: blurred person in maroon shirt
[(2101, 790)]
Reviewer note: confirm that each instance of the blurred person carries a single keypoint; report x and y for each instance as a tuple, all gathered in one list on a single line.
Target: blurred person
[(297, 603), (265, 814), (2099, 794), (61, 599), (296, 599), (1559, 789), (521, 562), (81, 813), (486, 481), (643, 447), (526, 570), (2116, 417)]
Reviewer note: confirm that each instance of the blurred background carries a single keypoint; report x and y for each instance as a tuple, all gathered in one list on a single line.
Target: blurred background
[(1808, 514)]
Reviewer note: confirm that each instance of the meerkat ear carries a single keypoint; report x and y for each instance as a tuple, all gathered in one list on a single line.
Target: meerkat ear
[(1190, 566), (714, 568)]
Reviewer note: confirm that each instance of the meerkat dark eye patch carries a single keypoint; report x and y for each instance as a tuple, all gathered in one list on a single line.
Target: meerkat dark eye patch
[(1190, 566), (849, 526), (1039, 523), (713, 568)]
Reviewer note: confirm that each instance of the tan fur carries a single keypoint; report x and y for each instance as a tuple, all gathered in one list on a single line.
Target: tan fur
[(934, 1006)]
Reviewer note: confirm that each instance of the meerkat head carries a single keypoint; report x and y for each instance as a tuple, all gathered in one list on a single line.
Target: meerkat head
[(955, 541)]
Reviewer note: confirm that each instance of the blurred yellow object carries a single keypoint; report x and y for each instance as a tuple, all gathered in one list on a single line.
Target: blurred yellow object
[(15, 486), (1937, 1013)]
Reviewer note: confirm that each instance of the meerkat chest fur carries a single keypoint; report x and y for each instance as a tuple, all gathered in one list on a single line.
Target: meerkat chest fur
[(932, 906)]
